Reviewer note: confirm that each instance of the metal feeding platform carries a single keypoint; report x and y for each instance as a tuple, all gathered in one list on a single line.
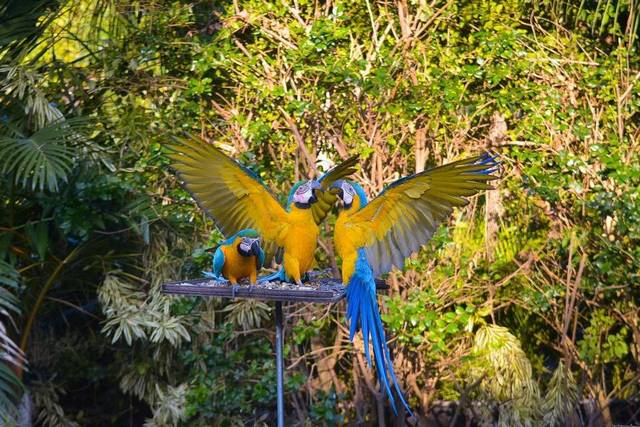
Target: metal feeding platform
[(319, 289), (324, 291)]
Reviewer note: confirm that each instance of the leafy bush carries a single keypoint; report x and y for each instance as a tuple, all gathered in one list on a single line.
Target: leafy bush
[(94, 221)]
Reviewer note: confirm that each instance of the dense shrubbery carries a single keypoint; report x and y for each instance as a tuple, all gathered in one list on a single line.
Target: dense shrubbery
[(93, 221)]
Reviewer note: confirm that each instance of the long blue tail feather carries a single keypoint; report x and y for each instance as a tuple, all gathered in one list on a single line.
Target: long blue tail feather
[(363, 314)]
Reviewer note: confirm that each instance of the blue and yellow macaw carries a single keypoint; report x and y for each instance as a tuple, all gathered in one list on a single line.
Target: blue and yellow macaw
[(373, 237), (238, 257), (235, 198)]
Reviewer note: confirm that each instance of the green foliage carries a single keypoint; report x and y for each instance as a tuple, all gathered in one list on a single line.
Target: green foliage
[(505, 376), (618, 18), (232, 386), (324, 411), (10, 385), (94, 221), (43, 159), (414, 322), (600, 344), (561, 398), (247, 314)]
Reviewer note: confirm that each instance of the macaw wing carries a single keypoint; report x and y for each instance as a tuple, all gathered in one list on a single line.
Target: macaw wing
[(326, 199), (260, 259), (218, 261), (232, 195), (407, 213)]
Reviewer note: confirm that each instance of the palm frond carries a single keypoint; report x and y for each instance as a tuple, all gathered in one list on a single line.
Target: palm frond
[(46, 396), (22, 23), (169, 407), (561, 400), (19, 87), (506, 376), (247, 314), (43, 159), (10, 354), (10, 392)]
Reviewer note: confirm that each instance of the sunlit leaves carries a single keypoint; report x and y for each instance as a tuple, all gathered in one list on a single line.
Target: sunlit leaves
[(561, 398), (169, 407), (505, 375), (21, 86), (248, 313), (129, 324), (170, 328), (602, 343), (133, 316)]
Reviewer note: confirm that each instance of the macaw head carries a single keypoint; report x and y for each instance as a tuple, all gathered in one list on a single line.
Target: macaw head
[(249, 244), (347, 192), (304, 194)]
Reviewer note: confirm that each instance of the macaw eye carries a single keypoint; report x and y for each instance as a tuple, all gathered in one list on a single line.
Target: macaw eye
[(349, 189), (303, 188)]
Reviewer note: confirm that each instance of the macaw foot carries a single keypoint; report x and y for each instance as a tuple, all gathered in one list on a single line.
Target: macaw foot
[(234, 289), (299, 283)]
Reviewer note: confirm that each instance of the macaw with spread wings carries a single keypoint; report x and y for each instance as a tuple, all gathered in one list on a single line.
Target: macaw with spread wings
[(373, 237), (236, 199)]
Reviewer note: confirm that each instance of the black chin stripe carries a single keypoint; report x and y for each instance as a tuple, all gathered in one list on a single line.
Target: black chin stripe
[(302, 205)]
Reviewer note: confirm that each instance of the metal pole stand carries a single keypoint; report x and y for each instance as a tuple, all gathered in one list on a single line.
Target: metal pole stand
[(318, 290), (280, 363)]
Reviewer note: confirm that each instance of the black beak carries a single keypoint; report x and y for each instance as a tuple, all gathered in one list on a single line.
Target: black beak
[(255, 248), (336, 188), (315, 188)]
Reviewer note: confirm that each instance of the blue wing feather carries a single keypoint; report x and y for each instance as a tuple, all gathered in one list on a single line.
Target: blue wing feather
[(218, 262), (260, 259)]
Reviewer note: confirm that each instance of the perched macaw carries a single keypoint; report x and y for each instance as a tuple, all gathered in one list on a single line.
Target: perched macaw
[(235, 198), (238, 257), (373, 237), (326, 200)]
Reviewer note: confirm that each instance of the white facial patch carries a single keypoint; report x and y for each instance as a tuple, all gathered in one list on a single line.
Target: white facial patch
[(245, 244), (348, 193), (303, 194)]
